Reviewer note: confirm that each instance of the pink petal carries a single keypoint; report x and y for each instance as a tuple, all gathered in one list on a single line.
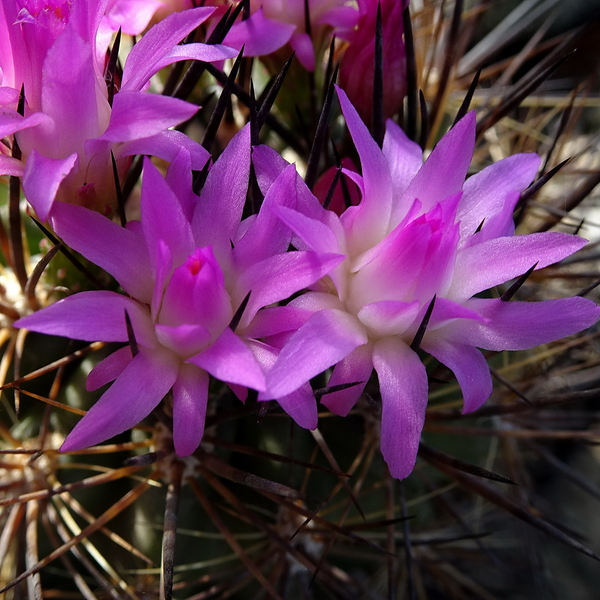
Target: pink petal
[(403, 386), (166, 145), (446, 310), (470, 367), (71, 95), (267, 234), (184, 340), (229, 359), (117, 250), (484, 191), (372, 219), (42, 178), (108, 369), (305, 52), (355, 368), (314, 234), (444, 171), (196, 294), (388, 317), (133, 396), (401, 264), (325, 339), (300, 404), (147, 55), (163, 217), (132, 16), (341, 17), (11, 121), (219, 211), (275, 319), (201, 52), (496, 261), (404, 156), (92, 317), (190, 398), (278, 277), (259, 35), (268, 164), (179, 179), (136, 115), (522, 325), (10, 166)]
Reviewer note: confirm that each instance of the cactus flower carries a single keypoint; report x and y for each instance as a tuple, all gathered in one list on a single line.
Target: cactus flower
[(70, 125), (187, 267), (422, 237)]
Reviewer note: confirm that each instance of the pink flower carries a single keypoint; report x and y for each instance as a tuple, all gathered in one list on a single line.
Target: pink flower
[(70, 127), (274, 23), (421, 232), (187, 267), (357, 64)]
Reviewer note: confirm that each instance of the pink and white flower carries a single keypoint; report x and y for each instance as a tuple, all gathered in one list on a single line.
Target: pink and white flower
[(70, 125), (187, 267), (421, 232)]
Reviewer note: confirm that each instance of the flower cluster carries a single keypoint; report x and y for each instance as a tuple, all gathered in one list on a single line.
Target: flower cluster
[(268, 300), (71, 122)]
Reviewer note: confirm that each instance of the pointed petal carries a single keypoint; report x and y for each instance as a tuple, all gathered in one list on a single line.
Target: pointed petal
[(147, 55), (179, 179), (444, 171), (219, 211), (404, 156), (229, 359), (470, 367), (267, 234), (268, 165), (496, 261), (163, 218), (523, 325), (403, 386), (259, 35), (11, 121), (275, 319), (372, 218), (316, 235), (119, 251), (42, 178), (326, 338), (484, 191), (137, 115), (92, 317), (446, 310), (300, 404), (166, 145), (190, 398), (10, 166), (133, 396), (356, 367), (303, 46), (278, 277), (108, 369)]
